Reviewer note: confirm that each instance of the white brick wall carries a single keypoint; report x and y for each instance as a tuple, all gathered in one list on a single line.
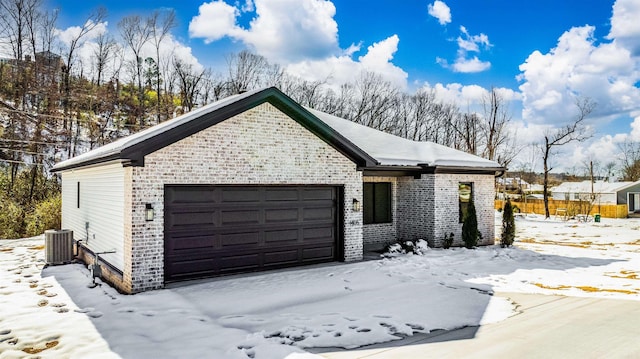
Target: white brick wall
[(447, 210), (260, 146)]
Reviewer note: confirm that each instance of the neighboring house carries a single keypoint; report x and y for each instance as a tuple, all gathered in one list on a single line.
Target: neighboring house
[(603, 193), (255, 181)]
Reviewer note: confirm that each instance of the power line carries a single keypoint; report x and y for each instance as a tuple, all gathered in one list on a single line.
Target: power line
[(23, 162), (31, 141), (23, 151)]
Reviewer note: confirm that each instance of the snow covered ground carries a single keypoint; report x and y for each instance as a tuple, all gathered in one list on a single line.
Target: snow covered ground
[(52, 313)]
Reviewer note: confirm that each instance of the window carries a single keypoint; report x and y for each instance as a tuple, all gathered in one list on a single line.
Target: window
[(465, 194), (377, 202), (78, 196)]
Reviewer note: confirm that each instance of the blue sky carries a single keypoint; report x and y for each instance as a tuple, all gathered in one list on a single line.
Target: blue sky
[(540, 54)]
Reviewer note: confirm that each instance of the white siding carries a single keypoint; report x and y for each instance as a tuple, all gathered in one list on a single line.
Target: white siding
[(101, 206)]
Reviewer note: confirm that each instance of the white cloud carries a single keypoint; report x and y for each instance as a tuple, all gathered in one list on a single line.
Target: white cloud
[(342, 69), (634, 135), (625, 26), (283, 31), (214, 21), (440, 11), (469, 97), (468, 43), (472, 42), (579, 66), (470, 65), (301, 35)]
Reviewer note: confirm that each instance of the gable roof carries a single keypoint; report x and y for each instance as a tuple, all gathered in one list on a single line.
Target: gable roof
[(368, 148), (598, 187), (132, 149)]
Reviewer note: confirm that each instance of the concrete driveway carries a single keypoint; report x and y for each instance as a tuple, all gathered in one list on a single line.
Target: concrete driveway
[(547, 327)]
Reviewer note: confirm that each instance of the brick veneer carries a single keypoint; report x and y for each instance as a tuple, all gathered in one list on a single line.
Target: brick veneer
[(259, 146), (447, 211)]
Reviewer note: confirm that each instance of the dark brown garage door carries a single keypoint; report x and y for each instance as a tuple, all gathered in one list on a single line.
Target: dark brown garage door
[(214, 230)]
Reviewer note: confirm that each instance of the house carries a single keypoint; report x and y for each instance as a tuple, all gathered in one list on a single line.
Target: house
[(255, 181), (602, 193)]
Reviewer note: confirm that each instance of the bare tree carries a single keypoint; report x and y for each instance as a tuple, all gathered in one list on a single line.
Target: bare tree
[(467, 127), (16, 16), (135, 32), (189, 83), (102, 54), (630, 161), (498, 141), (246, 71), (574, 131), (375, 99), (160, 24)]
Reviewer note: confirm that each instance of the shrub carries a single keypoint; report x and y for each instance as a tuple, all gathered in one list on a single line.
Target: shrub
[(508, 226), (46, 216), (416, 246), (470, 233), (448, 241), (11, 219)]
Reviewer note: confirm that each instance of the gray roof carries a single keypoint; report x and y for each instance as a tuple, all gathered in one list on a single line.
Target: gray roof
[(366, 146)]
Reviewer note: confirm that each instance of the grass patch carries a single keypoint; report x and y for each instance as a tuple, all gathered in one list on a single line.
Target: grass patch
[(624, 274), (49, 345), (550, 287), (594, 289), (37, 248)]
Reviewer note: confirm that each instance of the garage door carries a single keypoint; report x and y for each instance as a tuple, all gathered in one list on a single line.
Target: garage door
[(214, 230)]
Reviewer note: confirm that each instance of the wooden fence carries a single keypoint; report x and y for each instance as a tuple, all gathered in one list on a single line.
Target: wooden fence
[(569, 208)]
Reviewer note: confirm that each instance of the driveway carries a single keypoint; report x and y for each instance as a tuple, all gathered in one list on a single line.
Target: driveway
[(547, 327)]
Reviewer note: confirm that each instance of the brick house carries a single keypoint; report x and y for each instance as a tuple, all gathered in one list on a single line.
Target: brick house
[(255, 181)]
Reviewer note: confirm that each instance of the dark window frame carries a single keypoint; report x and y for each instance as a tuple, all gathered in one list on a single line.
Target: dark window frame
[(78, 196), (462, 204), (378, 202)]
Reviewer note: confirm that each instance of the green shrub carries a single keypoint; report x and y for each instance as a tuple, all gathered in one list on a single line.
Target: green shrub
[(46, 216), (508, 226), (11, 219), (470, 233)]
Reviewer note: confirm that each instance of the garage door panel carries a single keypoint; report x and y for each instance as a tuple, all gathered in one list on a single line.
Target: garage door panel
[(192, 242), (318, 193), (239, 217), (288, 235), (282, 257), (318, 233), (276, 194), (192, 195), (214, 230), (281, 215), (318, 253), (313, 214), (238, 263), (241, 195), (240, 239), (187, 219)]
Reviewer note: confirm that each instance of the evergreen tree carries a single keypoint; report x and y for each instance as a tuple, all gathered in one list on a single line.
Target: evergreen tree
[(508, 225), (470, 233)]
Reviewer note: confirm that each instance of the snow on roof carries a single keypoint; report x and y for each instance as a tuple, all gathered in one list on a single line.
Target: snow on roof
[(387, 149), (391, 150), (598, 187)]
